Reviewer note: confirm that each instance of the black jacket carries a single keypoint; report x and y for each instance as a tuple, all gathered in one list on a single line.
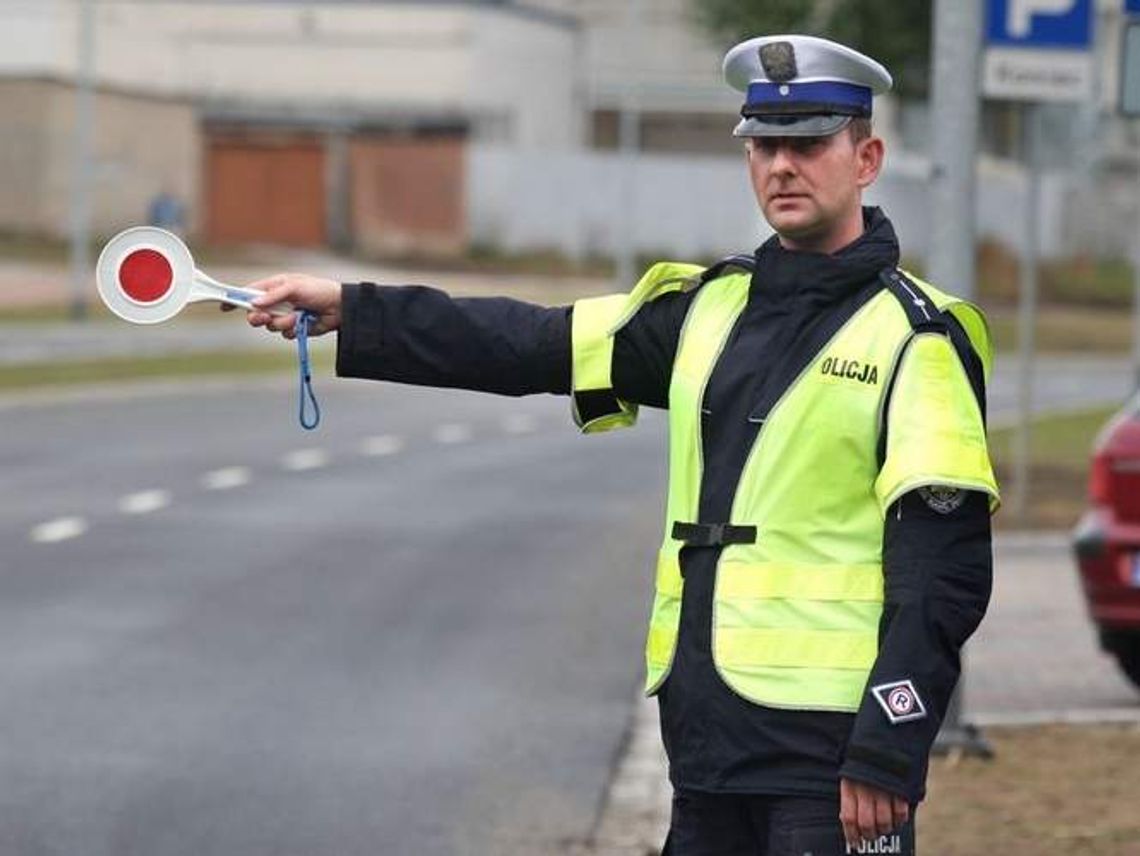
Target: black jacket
[(937, 565)]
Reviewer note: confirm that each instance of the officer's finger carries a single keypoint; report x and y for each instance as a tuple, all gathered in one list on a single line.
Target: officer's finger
[(258, 318), (848, 813), (865, 815), (884, 814), (901, 810), (278, 289), (281, 323), (270, 282)]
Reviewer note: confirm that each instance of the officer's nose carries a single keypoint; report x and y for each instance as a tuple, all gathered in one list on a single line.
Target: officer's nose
[(783, 160)]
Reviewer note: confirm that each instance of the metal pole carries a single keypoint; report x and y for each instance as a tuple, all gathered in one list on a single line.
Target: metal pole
[(957, 41), (1027, 313), (954, 131), (82, 161), (629, 142)]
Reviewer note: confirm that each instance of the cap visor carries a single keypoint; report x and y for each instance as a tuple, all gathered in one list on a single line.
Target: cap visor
[(791, 126)]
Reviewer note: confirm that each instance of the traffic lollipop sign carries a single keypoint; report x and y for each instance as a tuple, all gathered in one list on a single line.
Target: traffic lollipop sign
[(146, 275)]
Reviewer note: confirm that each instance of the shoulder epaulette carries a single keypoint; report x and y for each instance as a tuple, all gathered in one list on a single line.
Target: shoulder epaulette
[(922, 312)]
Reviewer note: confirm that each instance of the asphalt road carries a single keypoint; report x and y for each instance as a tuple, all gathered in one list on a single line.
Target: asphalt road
[(416, 631)]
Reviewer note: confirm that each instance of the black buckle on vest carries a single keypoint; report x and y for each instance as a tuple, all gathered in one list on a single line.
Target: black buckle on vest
[(713, 534)]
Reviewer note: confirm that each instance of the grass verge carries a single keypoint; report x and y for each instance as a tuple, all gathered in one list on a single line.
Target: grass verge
[(1049, 790), (1066, 329), (1061, 448)]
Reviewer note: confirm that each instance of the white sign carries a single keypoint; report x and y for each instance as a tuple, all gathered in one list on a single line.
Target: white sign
[(1038, 50), (147, 275), (1022, 75)]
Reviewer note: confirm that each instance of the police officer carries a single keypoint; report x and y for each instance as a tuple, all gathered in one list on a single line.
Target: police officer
[(827, 549)]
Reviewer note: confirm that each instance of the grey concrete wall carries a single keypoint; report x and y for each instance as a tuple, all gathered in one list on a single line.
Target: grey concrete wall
[(24, 155), (691, 207), (141, 145)]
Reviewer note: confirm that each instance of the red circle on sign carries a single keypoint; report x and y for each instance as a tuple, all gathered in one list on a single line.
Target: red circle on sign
[(145, 276)]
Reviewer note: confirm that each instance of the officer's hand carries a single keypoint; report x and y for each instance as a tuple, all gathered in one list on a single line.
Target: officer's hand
[(868, 812), (321, 296)]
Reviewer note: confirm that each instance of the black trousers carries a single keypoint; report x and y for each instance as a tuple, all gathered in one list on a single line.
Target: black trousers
[(757, 825)]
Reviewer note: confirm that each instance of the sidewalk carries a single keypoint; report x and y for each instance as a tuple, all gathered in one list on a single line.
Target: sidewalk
[(1034, 660)]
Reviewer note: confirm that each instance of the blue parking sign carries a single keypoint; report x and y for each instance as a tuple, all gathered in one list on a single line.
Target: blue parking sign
[(1132, 7), (1065, 24)]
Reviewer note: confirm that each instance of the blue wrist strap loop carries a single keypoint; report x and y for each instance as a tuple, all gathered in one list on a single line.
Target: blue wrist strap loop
[(307, 396)]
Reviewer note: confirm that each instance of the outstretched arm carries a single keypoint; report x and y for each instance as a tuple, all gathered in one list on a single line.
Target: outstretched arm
[(420, 335)]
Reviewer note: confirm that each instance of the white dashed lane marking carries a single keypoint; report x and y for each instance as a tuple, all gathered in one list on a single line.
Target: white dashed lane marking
[(378, 447), (144, 502), (58, 530), (449, 435), (520, 423), (226, 478), (305, 459)]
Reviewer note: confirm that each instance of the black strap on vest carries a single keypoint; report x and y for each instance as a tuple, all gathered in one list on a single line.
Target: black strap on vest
[(921, 311), (739, 261), (713, 534)]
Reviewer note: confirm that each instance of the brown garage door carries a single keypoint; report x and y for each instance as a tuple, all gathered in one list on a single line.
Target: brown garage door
[(408, 193), (266, 188)]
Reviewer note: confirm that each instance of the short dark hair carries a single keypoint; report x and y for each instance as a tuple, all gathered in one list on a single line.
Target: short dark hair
[(860, 129)]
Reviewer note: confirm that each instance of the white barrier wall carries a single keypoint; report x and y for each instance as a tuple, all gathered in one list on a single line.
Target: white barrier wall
[(702, 206)]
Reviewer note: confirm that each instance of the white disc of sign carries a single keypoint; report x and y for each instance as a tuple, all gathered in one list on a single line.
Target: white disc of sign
[(146, 275)]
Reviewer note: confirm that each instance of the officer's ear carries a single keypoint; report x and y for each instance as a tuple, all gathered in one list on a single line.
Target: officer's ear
[(869, 155)]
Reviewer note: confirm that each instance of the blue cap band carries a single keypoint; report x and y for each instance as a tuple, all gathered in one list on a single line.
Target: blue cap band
[(822, 97)]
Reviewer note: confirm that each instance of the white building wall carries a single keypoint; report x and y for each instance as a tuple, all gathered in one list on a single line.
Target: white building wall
[(674, 66), (528, 72), (445, 59), (701, 207)]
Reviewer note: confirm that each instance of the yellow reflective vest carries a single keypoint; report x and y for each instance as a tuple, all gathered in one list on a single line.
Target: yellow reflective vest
[(799, 588)]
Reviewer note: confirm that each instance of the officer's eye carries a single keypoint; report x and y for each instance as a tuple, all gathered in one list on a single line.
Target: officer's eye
[(770, 146), (807, 145)]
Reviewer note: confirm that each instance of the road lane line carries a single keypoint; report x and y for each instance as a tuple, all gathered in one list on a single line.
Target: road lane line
[(144, 501), (520, 423), (58, 530), (305, 459), (379, 447), (226, 478), (451, 434)]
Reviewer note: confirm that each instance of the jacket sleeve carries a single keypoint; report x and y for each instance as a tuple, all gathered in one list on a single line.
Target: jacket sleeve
[(938, 569), (644, 350), (423, 336), (420, 335), (938, 573)]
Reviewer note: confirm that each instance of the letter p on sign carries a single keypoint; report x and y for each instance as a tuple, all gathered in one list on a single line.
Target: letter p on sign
[(1020, 13)]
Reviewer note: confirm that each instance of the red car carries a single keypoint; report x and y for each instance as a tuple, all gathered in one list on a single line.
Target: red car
[(1107, 540)]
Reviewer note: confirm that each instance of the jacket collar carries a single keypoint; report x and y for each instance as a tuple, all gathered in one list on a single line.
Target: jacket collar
[(820, 278)]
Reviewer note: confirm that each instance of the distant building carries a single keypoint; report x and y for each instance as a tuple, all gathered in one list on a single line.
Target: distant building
[(337, 122)]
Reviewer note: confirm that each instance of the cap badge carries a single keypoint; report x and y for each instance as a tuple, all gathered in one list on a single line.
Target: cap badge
[(779, 61)]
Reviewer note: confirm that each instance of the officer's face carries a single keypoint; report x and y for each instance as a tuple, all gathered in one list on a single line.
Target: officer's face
[(810, 188)]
